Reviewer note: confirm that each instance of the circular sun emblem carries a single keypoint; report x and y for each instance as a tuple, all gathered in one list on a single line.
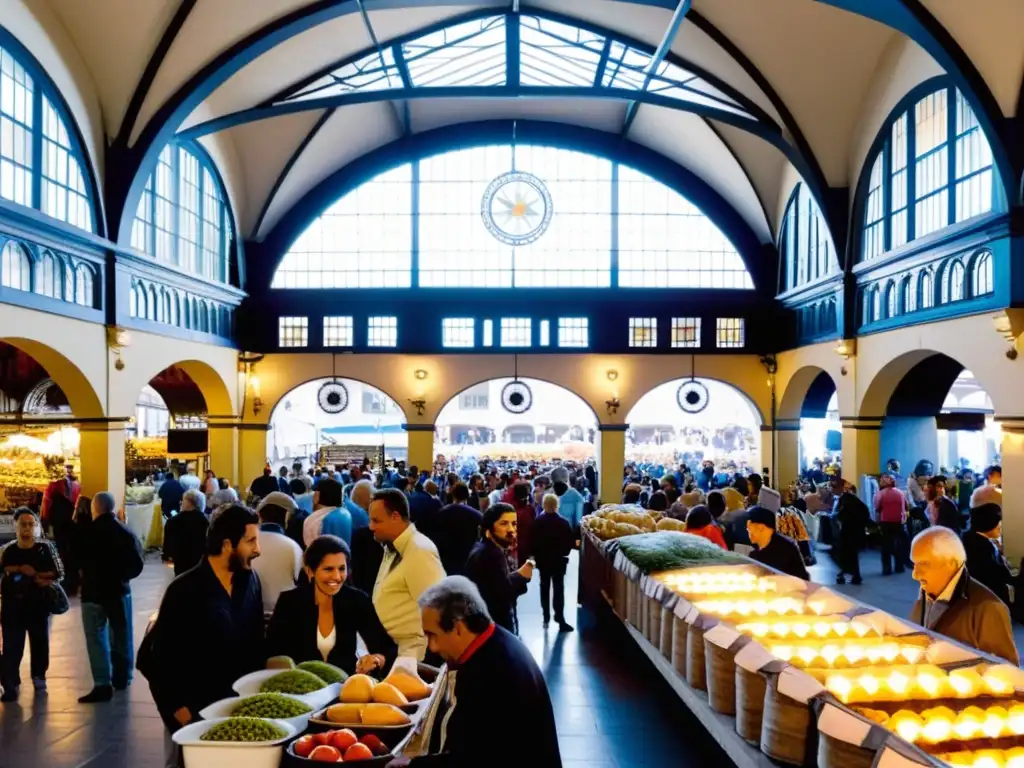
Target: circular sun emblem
[(516, 208)]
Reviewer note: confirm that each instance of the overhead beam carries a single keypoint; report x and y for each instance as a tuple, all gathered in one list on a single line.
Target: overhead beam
[(401, 110), (659, 56)]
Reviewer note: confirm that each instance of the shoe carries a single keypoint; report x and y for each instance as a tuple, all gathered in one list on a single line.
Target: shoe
[(565, 627), (10, 695), (121, 686), (97, 695), (39, 684), (840, 580)]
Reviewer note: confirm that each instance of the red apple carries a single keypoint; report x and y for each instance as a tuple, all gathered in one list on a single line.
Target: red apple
[(342, 740), (321, 738), (325, 754), (358, 752), (304, 746), (375, 744)]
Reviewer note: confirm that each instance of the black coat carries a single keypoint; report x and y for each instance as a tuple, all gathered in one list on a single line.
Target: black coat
[(110, 557), (499, 683), (783, 555), (948, 515), (293, 628), (458, 531), (367, 555), (553, 540), (423, 511), (987, 566), (170, 493), (263, 486), (853, 517), (487, 567), (204, 639), (185, 540)]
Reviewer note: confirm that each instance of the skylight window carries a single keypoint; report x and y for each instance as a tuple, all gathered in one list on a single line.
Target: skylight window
[(468, 54), (365, 74), (552, 53)]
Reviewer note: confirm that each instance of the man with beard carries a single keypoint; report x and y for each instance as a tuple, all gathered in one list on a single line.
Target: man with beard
[(488, 567), (209, 631)]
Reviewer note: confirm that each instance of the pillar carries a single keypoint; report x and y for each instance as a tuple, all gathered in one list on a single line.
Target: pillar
[(1013, 488), (861, 454), (103, 460), (611, 458), (421, 445), (223, 448), (780, 451), (252, 454)]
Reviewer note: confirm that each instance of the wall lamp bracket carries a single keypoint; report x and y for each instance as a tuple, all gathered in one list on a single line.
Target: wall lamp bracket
[(420, 405), (1004, 325), (612, 406)]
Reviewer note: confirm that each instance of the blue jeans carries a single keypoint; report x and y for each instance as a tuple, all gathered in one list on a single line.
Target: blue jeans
[(108, 639)]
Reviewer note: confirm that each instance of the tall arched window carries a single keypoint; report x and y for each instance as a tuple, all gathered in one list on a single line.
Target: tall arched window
[(463, 223), (981, 275), (908, 295), (926, 289), (16, 267), (891, 307), (84, 286), (48, 276), (956, 281), (933, 168), (182, 218), (806, 242), (41, 166)]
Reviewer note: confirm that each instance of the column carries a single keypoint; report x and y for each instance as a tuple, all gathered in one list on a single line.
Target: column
[(783, 448), (1013, 488), (223, 448), (611, 458), (421, 445), (861, 452), (252, 454), (103, 460)]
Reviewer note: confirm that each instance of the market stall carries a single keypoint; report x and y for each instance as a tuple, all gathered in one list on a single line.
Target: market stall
[(30, 459), (783, 671)]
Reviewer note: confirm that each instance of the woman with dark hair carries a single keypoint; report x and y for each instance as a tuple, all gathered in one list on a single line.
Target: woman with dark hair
[(319, 620), (699, 523), (659, 501), (525, 515)]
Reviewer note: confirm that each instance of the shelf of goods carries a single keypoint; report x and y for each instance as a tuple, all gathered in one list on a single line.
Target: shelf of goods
[(783, 671)]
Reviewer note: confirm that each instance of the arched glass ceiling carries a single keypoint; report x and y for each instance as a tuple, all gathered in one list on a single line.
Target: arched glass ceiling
[(428, 224), (514, 49)]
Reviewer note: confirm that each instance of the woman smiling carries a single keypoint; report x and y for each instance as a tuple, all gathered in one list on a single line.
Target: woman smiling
[(319, 619)]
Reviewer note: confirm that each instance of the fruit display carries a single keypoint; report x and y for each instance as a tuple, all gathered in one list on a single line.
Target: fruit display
[(326, 672), (937, 725), (925, 681), (986, 758), (743, 606), (718, 581), (411, 686), (373, 714), (270, 705), (841, 654), (339, 746), (793, 627), (668, 550), (670, 524), (614, 521), (296, 681), (281, 662), (247, 729)]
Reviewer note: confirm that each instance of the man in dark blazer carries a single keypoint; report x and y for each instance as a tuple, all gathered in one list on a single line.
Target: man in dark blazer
[(488, 567), (984, 560), (458, 530), (774, 549)]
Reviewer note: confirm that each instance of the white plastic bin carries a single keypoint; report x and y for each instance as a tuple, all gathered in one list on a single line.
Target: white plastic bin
[(224, 754), (250, 684), (223, 708)]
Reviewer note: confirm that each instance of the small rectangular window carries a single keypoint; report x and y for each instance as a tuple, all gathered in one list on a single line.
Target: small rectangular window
[(729, 333), (292, 331), (382, 332), (643, 331), (488, 340), (338, 331), (685, 332), (458, 332), (516, 332), (545, 333), (573, 332)]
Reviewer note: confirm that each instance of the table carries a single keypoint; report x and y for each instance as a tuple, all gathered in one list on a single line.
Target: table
[(146, 521)]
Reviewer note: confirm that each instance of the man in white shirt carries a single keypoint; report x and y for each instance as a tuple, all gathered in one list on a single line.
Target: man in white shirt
[(326, 499), (992, 491), (280, 558), (410, 566), (189, 481)]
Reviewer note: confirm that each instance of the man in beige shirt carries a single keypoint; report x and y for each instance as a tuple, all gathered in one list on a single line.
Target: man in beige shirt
[(411, 565)]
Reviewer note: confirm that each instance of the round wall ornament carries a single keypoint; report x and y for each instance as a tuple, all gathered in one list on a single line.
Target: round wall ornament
[(332, 397), (516, 208)]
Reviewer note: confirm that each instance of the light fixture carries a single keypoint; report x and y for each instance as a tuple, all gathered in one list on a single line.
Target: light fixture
[(419, 404), (257, 401), (1003, 324), (612, 374), (246, 365), (846, 348), (118, 339), (612, 405), (420, 374)]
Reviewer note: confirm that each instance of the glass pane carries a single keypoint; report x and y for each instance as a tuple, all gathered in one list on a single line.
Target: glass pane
[(573, 332), (557, 54), (382, 332), (516, 332), (643, 332), (338, 331), (291, 331), (729, 332), (458, 332), (468, 54)]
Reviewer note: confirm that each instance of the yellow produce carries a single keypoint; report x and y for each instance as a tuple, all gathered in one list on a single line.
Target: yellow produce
[(346, 714), (384, 714), (800, 627), (386, 693), (839, 654), (752, 606), (939, 724), (410, 685), (358, 689), (916, 682)]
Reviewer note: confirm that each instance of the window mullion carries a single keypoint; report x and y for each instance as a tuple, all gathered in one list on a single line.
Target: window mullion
[(887, 174), (613, 277), (176, 203), (201, 219), (951, 142), (911, 174), (414, 255), (37, 145)]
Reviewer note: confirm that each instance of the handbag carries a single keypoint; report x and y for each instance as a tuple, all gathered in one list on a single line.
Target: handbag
[(56, 600)]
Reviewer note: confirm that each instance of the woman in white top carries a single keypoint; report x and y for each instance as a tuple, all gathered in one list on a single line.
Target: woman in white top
[(319, 619)]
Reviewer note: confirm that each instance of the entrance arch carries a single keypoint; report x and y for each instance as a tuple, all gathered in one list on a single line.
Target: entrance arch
[(82, 397), (808, 422)]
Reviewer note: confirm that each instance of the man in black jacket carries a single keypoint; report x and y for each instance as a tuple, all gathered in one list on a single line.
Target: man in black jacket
[(984, 560), (553, 540), (488, 567), (219, 604), (492, 678), (773, 549), (185, 533), (458, 529), (110, 558), (941, 509)]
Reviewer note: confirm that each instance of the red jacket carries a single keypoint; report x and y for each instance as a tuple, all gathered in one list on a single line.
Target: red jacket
[(710, 532), (59, 488)]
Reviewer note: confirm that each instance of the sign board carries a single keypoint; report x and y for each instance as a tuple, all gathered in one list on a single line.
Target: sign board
[(346, 454), (7, 532)]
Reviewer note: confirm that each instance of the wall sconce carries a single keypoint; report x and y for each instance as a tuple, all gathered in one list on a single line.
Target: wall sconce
[(257, 401), (846, 348), (420, 374), (246, 365), (420, 405), (1003, 324), (612, 374), (118, 339), (612, 405)]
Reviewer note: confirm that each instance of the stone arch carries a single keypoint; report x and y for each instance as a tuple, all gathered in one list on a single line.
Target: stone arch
[(83, 398), (270, 408), (807, 381), (526, 379)]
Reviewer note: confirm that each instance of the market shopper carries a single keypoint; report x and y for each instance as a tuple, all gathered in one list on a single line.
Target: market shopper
[(891, 513), (326, 499), (458, 530), (171, 494), (265, 484), (985, 562), (280, 560), (553, 540), (319, 619), (941, 509), (853, 516), (29, 569), (489, 569), (409, 566), (110, 558), (952, 603), (185, 533), (773, 549), (492, 682)]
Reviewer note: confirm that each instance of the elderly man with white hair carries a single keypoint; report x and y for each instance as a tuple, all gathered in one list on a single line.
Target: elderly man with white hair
[(952, 603)]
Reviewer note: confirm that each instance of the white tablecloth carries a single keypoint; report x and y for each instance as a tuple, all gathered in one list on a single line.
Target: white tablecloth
[(139, 517)]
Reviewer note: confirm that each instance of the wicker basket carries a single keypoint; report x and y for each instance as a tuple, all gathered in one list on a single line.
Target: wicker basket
[(720, 671), (620, 588), (665, 638), (786, 727), (654, 622), (696, 674), (750, 690), (680, 633), (836, 753)]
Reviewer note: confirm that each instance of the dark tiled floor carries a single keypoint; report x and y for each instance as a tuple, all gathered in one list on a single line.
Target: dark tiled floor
[(612, 709)]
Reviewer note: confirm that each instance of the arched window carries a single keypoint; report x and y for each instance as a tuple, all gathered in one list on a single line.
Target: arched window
[(204, 317), (213, 319), (908, 296), (172, 308), (151, 304), (981, 275), (806, 242), (182, 218), (926, 289), (872, 305), (561, 233), (84, 294), (165, 307), (956, 281), (16, 267), (136, 302), (934, 168), (891, 308), (48, 276)]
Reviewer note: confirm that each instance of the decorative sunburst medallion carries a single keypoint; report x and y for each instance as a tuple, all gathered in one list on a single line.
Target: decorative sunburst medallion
[(516, 208)]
